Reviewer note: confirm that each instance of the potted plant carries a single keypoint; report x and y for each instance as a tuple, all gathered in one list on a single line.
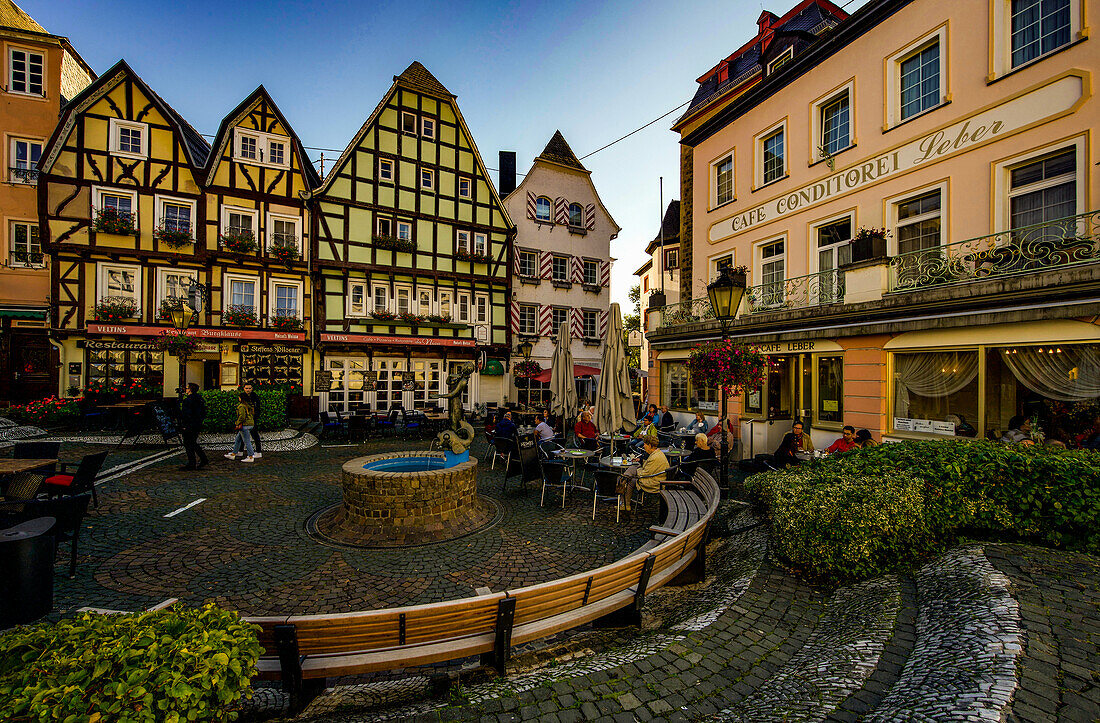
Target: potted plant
[(383, 315), (240, 315), (109, 220), (738, 274), (176, 343), (472, 257), (115, 308), (729, 365), (283, 252), (172, 237), (869, 243), (167, 306), (239, 242), (286, 322), (410, 318), (394, 244)]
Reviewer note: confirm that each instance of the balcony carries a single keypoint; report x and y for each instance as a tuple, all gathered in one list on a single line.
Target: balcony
[(28, 176), (1067, 242), (801, 292)]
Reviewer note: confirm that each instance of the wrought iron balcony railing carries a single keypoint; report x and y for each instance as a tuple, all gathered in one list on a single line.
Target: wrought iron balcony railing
[(801, 292), (685, 312), (1066, 242), (23, 175)]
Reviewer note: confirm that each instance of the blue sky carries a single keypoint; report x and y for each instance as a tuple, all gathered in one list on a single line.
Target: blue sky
[(520, 71)]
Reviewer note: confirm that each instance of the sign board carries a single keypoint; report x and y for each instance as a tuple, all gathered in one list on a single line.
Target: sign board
[(634, 339), (482, 360), (165, 423), (708, 406), (369, 376), (397, 340), (196, 296), (945, 428), (272, 349), (529, 466), (829, 405), (140, 330), (902, 424), (322, 380), (74, 368), (922, 425)]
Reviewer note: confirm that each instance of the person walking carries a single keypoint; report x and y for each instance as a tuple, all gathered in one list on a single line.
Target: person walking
[(254, 400), (245, 422), (192, 412)]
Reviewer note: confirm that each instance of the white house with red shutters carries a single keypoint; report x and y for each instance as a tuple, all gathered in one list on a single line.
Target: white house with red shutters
[(562, 267)]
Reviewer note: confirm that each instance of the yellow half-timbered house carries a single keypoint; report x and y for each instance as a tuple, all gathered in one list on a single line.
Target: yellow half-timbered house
[(412, 250)]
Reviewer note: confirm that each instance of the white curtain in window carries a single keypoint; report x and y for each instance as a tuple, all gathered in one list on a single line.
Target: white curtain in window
[(1070, 374), (931, 374)]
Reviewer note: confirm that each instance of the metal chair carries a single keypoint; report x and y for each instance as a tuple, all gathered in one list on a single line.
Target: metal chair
[(331, 425), (502, 448), (606, 489), (357, 429), (553, 475), (81, 480)]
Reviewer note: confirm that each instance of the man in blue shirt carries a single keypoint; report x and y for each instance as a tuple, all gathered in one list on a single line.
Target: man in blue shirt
[(505, 428)]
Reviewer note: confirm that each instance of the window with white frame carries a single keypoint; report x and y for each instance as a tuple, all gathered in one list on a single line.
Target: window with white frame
[(462, 241), (481, 244), (463, 307), (285, 299), (357, 298), (381, 295), (283, 231), (385, 170), (465, 187), (721, 181), (782, 60), (560, 268), (238, 221), (427, 179), (120, 282), (243, 292), (591, 272), (771, 154), (672, 259), (262, 149), (918, 232), (403, 296), (276, 152), (116, 202), (1043, 189), (542, 209), (175, 214), (529, 263), (576, 215), (528, 319), (25, 248), (772, 259), (385, 227), (25, 72), (427, 127), (22, 166), (835, 124), (833, 250), (1039, 27), (558, 315), (919, 81), (424, 300), (404, 230), (591, 319), (446, 307), (248, 147), (408, 123), (173, 284), (129, 139), (481, 308)]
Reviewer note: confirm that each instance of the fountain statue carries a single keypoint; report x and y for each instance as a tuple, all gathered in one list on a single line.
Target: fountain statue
[(461, 434)]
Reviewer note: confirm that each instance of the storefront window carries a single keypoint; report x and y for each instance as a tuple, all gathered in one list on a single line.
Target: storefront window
[(830, 389), (674, 385), (115, 362), (936, 392), (780, 371)]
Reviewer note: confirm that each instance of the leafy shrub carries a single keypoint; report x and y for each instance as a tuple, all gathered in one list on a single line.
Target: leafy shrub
[(50, 410), (169, 665), (221, 409), (839, 526)]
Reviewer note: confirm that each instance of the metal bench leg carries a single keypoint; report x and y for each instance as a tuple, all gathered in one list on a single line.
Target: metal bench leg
[(502, 646), (290, 663), (632, 614)]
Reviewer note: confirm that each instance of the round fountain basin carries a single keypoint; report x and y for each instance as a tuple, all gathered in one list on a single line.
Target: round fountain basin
[(405, 464)]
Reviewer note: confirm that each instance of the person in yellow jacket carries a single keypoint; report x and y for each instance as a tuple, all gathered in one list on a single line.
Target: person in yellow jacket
[(245, 421), (649, 476)]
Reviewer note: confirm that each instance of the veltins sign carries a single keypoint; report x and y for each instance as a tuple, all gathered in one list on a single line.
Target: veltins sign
[(1057, 97)]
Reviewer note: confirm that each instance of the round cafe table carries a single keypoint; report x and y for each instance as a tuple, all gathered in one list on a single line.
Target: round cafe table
[(573, 456), (685, 437)]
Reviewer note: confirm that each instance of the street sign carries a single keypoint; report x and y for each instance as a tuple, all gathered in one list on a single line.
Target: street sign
[(634, 339)]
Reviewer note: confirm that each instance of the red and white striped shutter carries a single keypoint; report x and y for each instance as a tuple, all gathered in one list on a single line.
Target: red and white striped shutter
[(602, 327), (515, 261), (590, 216), (546, 320), (546, 265), (577, 317), (514, 317), (578, 270), (532, 202), (605, 273), (561, 211)]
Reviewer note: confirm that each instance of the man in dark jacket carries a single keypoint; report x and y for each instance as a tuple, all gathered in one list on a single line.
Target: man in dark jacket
[(254, 400), (192, 412)]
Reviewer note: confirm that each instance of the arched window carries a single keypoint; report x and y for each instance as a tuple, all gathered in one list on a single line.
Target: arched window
[(542, 208), (576, 215)]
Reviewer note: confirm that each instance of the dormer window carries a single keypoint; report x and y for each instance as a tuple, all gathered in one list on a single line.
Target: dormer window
[(129, 139), (261, 149), (782, 60)]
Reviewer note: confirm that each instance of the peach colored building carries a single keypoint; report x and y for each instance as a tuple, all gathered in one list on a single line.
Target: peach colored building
[(40, 73), (913, 192), (659, 285)]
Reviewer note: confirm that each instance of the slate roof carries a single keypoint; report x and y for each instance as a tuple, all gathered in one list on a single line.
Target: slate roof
[(558, 151), (671, 225), (417, 77), (12, 16)]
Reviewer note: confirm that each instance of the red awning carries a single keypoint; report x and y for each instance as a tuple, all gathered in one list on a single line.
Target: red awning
[(579, 370)]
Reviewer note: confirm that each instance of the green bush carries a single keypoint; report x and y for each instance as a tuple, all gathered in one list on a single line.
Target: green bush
[(170, 665), (221, 409), (838, 526)]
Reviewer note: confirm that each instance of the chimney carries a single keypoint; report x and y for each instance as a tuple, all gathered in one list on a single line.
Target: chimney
[(507, 172)]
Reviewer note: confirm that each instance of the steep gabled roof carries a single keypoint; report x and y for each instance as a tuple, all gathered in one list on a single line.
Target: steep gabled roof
[(195, 146), (671, 226), (13, 16), (222, 137), (558, 151), (417, 77)]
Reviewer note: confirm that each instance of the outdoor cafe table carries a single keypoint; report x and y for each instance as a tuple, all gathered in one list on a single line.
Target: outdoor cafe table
[(685, 437), (14, 466), (573, 456)]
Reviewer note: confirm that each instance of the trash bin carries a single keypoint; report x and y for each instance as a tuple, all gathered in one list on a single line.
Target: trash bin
[(26, 567)]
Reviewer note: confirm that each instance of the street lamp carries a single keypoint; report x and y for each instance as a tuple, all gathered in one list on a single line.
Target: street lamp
[(181, 319), (725, 297), (525, 347)]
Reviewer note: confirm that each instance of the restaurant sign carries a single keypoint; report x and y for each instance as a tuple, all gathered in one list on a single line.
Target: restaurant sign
[(1054, 98), (134, 330), (272, 349), (399, 340)]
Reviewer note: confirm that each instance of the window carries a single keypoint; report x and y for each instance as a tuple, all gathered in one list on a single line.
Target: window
[(265, 149), (173, 284), (1043, 190), (465, 187), (248, 149), (357, 298), (175, 214), (403, 297), (722, 181), (427, 127), (933, 389), (385, 227), (408, 123), (920, 81), (276, 152), (24, 159), (774, 167), (772, 259), (674, 384), (835, 125), (672, 259), (558, 315), (424, 301), (561, 268), (528, 263), (542, 209), (404, 230), (122, 204), (591, 318), (239, 221), (1038, 27), (283, 231), (918, 236), (528, 319), (576, 215), (782, 60), (830, 389), (445, 306), (26, 250), (25, 72), (481, 309), (385, 169), (381, 294), (463, 307), (833, 251), (462, 241), (591, 272), (427, 179), (120, 282), (285, 299), (129, 139), (481, 244), (243, 291)]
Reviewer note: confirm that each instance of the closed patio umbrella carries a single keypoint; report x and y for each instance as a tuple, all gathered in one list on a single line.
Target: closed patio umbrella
[(614, 400), (563, 390)]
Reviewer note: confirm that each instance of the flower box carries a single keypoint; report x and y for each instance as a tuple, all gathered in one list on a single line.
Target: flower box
[(383, 315), (472, 257), (240, 315), (869, 243), (286, 323), (115, 308), (238, 242), (173, 238), (395, 244), (284, 253), (108, 220)]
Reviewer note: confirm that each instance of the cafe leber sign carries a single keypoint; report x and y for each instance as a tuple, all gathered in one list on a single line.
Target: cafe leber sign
[(1012, 116)]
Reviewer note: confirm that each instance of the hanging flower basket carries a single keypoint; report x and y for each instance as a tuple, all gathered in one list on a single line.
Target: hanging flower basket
[(108, 220), (728, 364), (115, 308), (167, 306), (239, 242), (526, 368), (240, 315), (177, 343), (172, 238), (286, 323)]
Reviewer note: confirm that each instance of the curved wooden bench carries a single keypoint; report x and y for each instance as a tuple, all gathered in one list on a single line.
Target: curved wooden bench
[(304, 650)]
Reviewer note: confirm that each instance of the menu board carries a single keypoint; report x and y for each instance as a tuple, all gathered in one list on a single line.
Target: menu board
[(928, 426)]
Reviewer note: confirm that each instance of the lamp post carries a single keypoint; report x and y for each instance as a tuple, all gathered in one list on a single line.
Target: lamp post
[(181, 319), (525, 348), (725, 297)]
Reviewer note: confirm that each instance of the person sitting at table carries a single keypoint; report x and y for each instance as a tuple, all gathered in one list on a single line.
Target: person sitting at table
[(714, 435), (699, 424), (544, 430), (652, 470), (847, 441), (1019, 429), (701, 451), (505, 428), (864, 439), (586, 432), (794, 443), (645, 431), (665, 421), (650, 414)]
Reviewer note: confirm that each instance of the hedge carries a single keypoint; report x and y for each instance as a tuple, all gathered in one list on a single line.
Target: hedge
[(1043, 495), (170, 665), (221, 409)]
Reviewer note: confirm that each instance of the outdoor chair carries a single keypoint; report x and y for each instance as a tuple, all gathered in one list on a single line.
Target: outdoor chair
[(331, 425), (68, 513), (389, 422), (81, 480), (606, 489), (412, 422), (357, 429), (502, 448), (23, 486), (553, 476)]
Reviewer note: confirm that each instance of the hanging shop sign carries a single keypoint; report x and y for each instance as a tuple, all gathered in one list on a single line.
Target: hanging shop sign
[(128, 330), (1053, 98), (397, 340)]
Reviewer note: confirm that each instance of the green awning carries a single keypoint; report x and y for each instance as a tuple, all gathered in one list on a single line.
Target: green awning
[(17, 313), (493, 368)]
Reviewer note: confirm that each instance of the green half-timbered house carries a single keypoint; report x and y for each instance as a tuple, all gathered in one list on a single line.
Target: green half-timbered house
[(411, 254)]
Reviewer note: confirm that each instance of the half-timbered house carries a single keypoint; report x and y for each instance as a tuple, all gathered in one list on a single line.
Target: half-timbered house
[(411, 254), (118, 196)]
